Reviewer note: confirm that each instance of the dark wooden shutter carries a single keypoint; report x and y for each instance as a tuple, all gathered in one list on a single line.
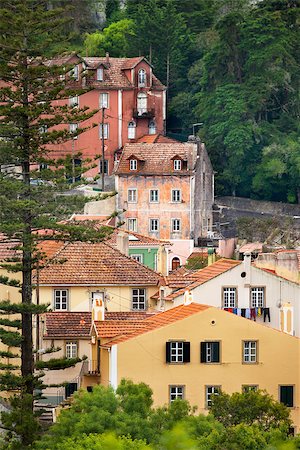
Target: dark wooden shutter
[(168, 352), (216, 352), (287, 395), (186, 352), (203, 352)]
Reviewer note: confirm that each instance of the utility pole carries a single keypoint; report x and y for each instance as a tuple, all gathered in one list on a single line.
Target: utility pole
[(102, 139), (37, 338)]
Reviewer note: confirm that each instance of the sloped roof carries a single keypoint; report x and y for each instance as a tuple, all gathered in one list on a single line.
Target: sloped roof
[(157, 158), (84, 263), (156, 139), (135, 239), (8, 247), (251, 247)]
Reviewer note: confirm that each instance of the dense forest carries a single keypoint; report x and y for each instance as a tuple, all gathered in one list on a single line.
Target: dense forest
[(231, 66)]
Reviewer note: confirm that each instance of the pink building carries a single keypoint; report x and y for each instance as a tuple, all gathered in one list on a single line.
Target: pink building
[(133, 98)]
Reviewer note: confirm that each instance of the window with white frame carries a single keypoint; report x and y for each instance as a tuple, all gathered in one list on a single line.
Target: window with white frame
[(209, 392), (257, 297), (43, 129), (73, 127), (142, 78), (61, 299), (210, 352), (103, 100), (131, 130), (96, 295), (176, 195), (176, 225), (154, 196), (74, 101), (152, 127), (178, 352), (105, 130), (177, 164), (100, 74), (249, 351), (176, 392), (176, 349), (132, 224), (139, 299), (133, 164), (154, 225), (229, 297), (131, 195), (142, 103), (75, 73), (249, 388), (71, 349), (137, 257)]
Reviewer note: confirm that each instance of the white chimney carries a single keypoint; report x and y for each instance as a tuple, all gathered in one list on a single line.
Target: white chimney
[(187, 298), (123, 243), (246, 274)]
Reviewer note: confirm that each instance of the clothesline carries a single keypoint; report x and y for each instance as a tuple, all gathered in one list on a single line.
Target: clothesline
[(251, 313)]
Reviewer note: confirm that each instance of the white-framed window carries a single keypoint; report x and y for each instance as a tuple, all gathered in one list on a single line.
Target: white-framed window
[(153, 196), (176, 225), (75, 73), (142, 103), (209, 391), (132, 195), (96, 296), (210, 352), (176, 392), (100, 74), (177, 164), (105, 166), (152, 127), (74, 101), (249, 351), (73, 127), (176, 195), (132, 224), (105, 130), (133, 164), (131, 130), (137, 257), (142, 79), (154, 225), (71, 349), (229, 297), (43, 129), (249, 388), (139, 299), (257, 297), (103, 100), (61, 299), (176, 349)]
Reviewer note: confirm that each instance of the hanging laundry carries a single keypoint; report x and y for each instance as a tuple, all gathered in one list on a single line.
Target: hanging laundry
[(239, 311), (247, 313), (243, 312), (234, 310), (266, 314), (252, 313)]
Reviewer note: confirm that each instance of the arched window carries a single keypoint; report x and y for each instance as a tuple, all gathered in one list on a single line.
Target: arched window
[(131, 130), (142, 78), (152, 127), (175, 263), (141, 103)]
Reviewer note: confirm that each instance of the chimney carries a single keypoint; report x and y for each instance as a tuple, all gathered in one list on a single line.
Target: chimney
[(247, 268), (123, 243), (107, 58), (98, 311), (187, 298), (211, 257)]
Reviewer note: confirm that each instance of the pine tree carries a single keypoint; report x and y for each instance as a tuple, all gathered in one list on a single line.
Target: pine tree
[(31, 91)]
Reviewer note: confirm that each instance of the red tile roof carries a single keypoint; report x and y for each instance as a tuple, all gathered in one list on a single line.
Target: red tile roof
[(8, 248), (156, 139), (83, 263), (135, 239), (157, 158)]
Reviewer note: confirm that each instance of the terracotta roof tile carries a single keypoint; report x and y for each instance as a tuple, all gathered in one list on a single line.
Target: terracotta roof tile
[(114, 328), (251, 247), (156, 138), (135, 239)]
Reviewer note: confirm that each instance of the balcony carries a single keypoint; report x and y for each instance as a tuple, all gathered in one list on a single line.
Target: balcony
[(143, 113)]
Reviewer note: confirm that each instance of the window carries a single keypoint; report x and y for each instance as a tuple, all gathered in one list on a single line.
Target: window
[(105, 166), (175, 263), (132, 224), (257, 297), (131, 130), (229, 297), (61, 297), (153, 225), (176, 225), (138, 258), (139, 299), (210, 352), (103, 100), (177, 164), (74, 101), (96, 296), (141, 103), (286, 395), (43, 129), (133, 164), (209, 391), (100, 74), (176, 195), (105, 130), (71, 349), (176, 392), (73, 127), (152, 127), (177, 352), (249, 351), (75, 73), (249, 388), (132, 195), (142, 78), (154, 196)]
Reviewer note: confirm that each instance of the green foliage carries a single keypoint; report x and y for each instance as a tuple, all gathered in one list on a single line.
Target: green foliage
[(57, 363)]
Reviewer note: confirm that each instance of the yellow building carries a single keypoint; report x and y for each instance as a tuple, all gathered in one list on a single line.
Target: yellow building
[(193, 351)]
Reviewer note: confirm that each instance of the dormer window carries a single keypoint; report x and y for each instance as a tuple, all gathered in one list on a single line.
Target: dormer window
[(131, 130), (100, 74), (177, 164), (142, 78), (133, 164), (74, 101), (75, 73), (152, 127)]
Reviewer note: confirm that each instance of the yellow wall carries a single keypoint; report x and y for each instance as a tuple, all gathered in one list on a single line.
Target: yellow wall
[(143, 359)]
